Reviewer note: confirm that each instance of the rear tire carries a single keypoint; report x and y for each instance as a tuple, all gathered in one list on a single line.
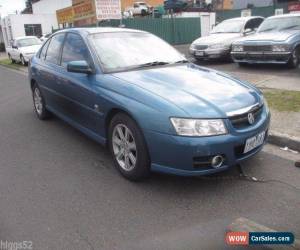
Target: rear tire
[(295, 59), (39, 103), (128, 148)]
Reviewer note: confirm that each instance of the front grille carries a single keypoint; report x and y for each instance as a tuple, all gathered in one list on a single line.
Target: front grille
[(241, 121), (258, 48), (201, 47)]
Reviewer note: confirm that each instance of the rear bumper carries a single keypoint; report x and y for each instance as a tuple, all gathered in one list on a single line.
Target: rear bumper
[(210, 53), (181, 155), (261, 57)]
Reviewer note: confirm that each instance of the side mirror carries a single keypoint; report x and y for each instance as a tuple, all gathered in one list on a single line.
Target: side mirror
[(247, 31), (79, 67), (15, 47)]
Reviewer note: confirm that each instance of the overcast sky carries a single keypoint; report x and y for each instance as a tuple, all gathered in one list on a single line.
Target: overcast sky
[(10, 6)]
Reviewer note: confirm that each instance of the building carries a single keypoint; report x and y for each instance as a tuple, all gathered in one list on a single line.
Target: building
[(41, 21), (89, 12)]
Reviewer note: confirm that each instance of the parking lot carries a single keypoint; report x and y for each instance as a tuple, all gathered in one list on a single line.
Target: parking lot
[(59, 189)]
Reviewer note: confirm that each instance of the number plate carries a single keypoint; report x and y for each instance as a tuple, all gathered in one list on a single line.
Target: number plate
[(254, 142), (199, 53)]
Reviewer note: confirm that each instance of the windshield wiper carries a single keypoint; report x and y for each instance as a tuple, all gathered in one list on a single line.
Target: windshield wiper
[(181, 61), (266, 30), (151, 64), (290, 27)]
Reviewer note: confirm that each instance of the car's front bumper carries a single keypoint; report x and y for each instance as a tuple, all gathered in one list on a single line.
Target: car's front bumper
[(180, 155), (28, 57), (261, 57), (210, 53)]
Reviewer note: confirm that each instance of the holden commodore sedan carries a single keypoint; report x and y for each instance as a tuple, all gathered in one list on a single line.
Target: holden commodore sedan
[(218, 44), (277, 41), (155, 110)]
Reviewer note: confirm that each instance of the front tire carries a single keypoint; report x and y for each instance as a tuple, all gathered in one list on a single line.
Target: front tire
[(22, 59), (128, 148), (295, 59), (39, 103), (242, 64)]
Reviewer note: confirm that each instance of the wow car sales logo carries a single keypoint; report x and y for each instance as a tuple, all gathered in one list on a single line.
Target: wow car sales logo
[(259, 238)]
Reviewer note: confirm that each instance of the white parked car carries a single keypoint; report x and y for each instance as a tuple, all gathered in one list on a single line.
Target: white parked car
[(23, 48), (44, 37), (218, 44), (139, 8)]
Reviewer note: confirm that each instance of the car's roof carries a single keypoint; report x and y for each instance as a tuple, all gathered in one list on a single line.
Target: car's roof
[(243, 18), (100, 30), (285, 15)]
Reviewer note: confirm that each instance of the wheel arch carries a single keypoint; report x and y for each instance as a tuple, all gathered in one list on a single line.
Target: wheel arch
[(32, 83), (111, 113)]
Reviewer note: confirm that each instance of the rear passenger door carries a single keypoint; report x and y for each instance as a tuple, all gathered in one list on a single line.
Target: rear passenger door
[(49, 70), (78, 88)]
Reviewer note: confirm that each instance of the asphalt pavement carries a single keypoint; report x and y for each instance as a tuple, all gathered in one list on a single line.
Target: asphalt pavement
[(59, 189)]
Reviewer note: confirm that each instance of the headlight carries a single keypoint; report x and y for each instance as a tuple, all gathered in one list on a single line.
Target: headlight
[(218, 46), (279, 48), (192, 46), (199, 127), (238, 48), (266, 105)]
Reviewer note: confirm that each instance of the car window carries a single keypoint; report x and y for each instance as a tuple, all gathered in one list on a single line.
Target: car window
[(74, 50), (44, 50), (229, 26), (54, 48), (26, 42), (253, 23), (280, 23)]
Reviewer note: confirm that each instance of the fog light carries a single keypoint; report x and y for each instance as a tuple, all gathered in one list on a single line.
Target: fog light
[(217, 161)]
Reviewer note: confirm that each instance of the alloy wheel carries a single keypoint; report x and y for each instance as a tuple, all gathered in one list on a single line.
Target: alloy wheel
[(124, 147)]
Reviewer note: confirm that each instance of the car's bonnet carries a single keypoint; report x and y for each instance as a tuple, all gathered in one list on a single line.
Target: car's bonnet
[(217, 38), (277, 36), (198, 91)]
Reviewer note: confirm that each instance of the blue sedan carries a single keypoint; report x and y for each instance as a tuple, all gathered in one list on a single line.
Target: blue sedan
[(155, 110)]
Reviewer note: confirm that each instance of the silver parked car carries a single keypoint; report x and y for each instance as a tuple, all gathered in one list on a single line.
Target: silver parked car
[(218, 43), (276, 41)]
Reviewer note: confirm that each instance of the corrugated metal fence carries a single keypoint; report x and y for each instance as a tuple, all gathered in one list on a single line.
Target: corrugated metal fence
[(172, 30)]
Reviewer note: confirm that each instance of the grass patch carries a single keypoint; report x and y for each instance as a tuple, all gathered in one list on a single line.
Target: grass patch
[(283, 100), (7, 63)]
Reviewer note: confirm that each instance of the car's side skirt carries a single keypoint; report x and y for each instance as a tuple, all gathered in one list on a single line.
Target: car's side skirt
[(82, 129)]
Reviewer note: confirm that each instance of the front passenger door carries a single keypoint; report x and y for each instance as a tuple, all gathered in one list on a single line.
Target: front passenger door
[(78, 88)]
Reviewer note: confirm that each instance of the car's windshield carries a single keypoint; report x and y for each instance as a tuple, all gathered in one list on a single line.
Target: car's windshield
[(128, 50), (230, 26), (278, 24), (28, 42)]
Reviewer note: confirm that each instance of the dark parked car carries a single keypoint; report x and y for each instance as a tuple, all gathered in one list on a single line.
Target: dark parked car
[(277, 41), (218, 44), (155, 110)]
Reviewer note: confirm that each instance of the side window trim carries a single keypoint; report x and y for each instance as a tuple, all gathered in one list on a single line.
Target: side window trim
[(60, 50), (91, 59), (46, 45)]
